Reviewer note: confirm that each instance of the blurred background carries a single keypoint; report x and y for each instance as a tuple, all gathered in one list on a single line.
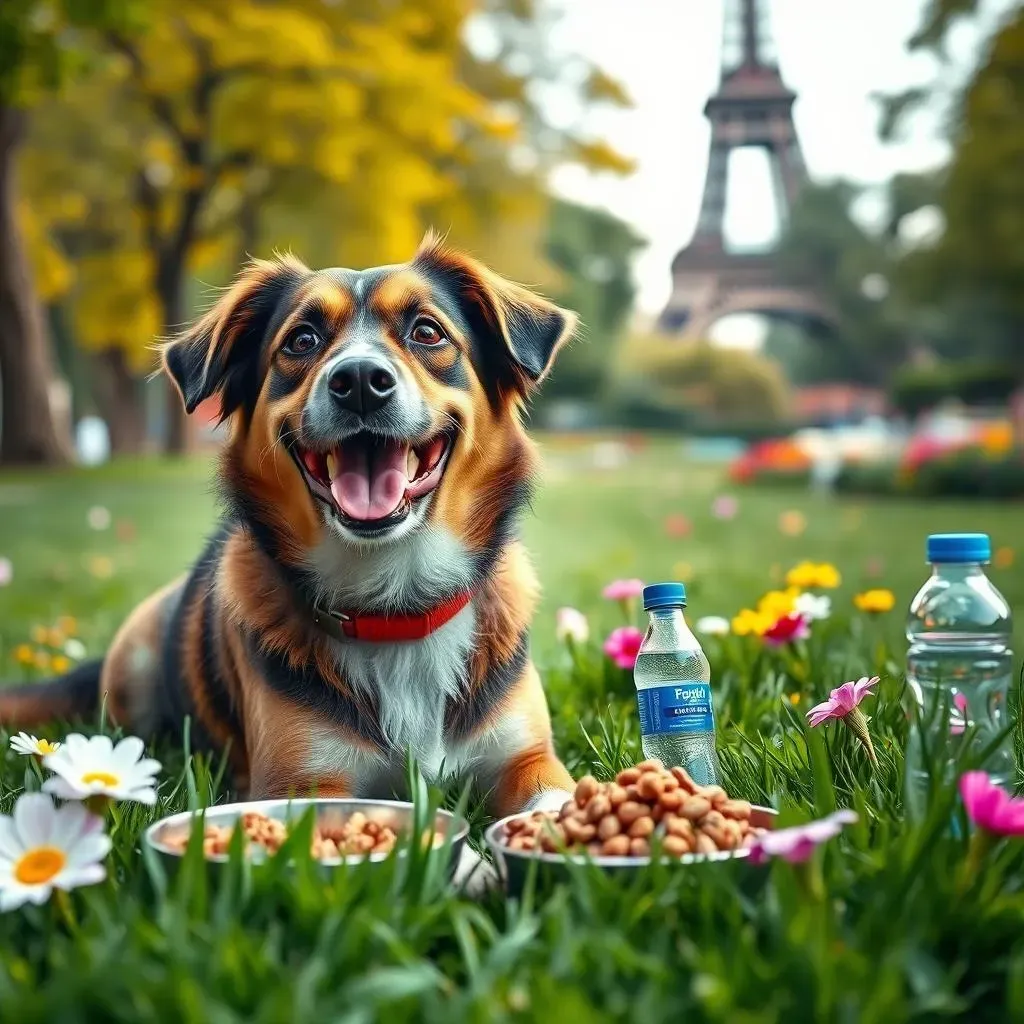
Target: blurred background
[(794, 231)]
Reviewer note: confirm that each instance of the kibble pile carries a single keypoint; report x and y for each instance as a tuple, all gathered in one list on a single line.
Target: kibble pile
[(621, 818), (356, 835)]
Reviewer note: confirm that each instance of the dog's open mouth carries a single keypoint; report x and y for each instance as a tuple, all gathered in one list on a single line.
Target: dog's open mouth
[(371, 481)]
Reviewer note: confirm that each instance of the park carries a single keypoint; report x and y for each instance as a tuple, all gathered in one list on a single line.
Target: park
[(791, 485)]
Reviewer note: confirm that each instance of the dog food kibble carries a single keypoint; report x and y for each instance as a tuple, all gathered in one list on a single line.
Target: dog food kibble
[(645, 805), (356, 835)]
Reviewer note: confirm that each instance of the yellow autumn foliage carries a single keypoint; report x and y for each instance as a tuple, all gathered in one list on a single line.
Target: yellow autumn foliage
[(341, 130)]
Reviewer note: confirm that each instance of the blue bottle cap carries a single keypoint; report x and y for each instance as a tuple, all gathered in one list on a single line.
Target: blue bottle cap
[(664, 595), (959, 548)]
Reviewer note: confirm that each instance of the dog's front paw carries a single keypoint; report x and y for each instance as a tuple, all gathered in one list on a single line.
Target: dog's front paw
[(549, 800)]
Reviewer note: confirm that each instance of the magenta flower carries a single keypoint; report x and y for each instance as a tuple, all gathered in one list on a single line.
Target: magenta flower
[(990, 807), (725, 506), (843, 705), (797, 844), (623, 645), (623, 590)]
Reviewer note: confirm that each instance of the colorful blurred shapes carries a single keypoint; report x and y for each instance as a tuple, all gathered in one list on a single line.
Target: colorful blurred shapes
[(124, 530), (98, 517), (792, 523), (1004, 558), (875, 602), (100, 566), (24, 655), (776, 457), (677, 525), (814, 575), (725, 507)]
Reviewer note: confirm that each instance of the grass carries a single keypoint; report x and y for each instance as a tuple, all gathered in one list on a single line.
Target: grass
[(887, 924)]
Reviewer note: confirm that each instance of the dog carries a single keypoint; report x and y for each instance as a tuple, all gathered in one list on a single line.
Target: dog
[(365, 594)]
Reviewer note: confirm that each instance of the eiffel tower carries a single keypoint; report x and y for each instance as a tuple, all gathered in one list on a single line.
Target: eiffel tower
[(751, 107)]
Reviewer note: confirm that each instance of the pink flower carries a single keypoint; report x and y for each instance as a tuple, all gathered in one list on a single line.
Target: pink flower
[(623, 645), (842, 700), (797, 844), (725, 506), (843, 704), (623, 590), (990, 807), (786, 630)]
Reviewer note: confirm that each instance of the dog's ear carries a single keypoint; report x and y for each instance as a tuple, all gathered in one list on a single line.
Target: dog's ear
[(219, 353), (521, 332)]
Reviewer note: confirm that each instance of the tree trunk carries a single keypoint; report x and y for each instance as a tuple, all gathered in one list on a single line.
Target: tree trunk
[(119, 396), (28, 431)]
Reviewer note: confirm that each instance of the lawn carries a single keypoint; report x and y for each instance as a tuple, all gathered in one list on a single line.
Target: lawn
[(905, 917)]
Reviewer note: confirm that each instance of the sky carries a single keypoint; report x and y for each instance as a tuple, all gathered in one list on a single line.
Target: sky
[(833, 53)]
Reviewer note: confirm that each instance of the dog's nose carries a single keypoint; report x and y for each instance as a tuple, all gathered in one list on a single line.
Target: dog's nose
[(361, 385)]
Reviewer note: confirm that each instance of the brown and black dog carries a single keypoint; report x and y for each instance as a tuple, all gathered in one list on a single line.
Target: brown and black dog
[(365, 593)]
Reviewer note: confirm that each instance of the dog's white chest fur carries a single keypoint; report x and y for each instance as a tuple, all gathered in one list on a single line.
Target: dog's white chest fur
[(409, 682)]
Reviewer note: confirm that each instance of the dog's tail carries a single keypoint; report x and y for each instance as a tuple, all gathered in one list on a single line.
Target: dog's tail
[(71, 696)]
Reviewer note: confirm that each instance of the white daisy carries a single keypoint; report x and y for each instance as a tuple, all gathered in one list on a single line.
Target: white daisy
[(814, 607), (31, 746), (43, 848), (713, 625), (94, 767)]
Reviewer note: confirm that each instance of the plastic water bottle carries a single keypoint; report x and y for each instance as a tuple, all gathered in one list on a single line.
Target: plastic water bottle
[(959, 666), (673, 691)]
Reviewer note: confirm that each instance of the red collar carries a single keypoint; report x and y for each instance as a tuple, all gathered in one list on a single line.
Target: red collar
[(386, 629)]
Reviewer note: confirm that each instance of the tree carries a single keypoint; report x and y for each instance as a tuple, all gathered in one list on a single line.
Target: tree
[(37, 43), (593, 251), (341, 144)]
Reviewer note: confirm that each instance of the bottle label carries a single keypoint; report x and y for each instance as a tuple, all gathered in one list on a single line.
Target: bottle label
[(677, 707)]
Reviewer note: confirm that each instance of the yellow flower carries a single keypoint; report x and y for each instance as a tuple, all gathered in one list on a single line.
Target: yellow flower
[(41, 660), (751, 623), (67, 625), (777, 603), (808, 575), (794, 698), (60, 664), (101, 567), (55, 638), (39, 634), (875, 601), (1005, 557), (24, 654)]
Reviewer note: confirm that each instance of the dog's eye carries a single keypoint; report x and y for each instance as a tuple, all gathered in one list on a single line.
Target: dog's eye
[(302, 343), (426, 332)]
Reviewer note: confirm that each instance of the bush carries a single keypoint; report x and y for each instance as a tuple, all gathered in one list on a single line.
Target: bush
[(966, 473), (917, 389)]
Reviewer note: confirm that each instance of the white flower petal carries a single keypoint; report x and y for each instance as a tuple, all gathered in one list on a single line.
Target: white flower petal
[(148, 767), (15, 896), (145, 796), (33, 819), (90, 850), (101, 748), (75, 746), (63, 789), (10, 845), (128, 751), (69, 825), (87, 874)]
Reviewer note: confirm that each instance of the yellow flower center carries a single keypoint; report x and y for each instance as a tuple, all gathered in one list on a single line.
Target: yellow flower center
[(39, 865), (103, 778), (46, 747)]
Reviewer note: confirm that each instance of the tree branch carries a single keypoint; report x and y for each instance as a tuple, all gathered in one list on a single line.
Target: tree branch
[(161, 106)]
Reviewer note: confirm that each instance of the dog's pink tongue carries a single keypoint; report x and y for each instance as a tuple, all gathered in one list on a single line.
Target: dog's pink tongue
[(371, 487)]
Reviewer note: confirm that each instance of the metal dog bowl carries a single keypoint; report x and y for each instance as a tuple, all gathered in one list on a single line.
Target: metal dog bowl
[(514, 865), (395, 814)]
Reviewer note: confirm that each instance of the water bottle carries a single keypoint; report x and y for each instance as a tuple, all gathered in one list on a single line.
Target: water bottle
[(673, 691), (959, 666)]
